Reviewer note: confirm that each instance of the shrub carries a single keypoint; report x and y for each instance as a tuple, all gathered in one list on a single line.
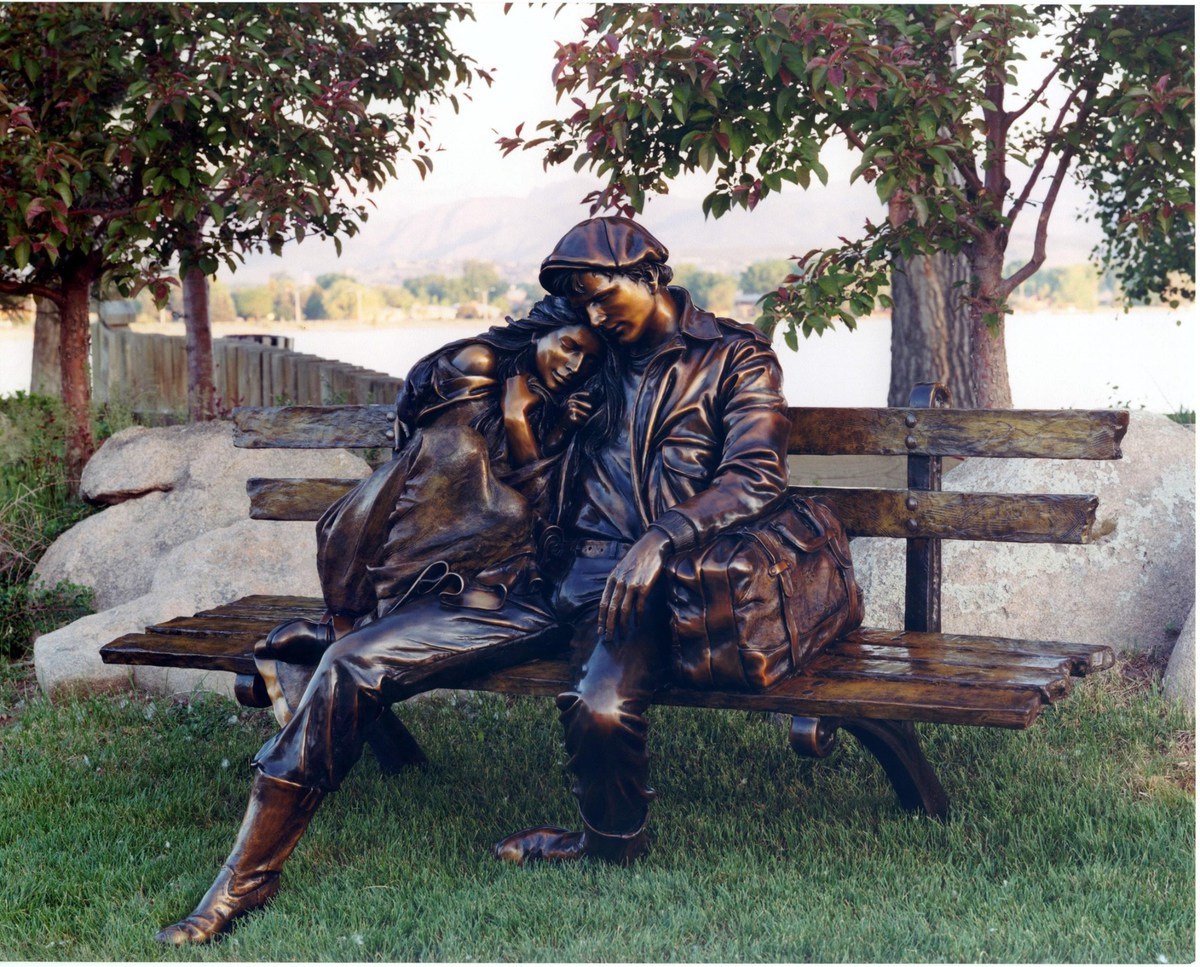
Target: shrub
[(27, 611), (36, 506)]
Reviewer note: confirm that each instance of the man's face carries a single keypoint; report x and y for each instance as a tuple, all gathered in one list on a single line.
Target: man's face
[(619, 307)]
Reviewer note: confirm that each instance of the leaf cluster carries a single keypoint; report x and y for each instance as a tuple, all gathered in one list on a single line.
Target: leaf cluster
[(752, 96), (134, 134)]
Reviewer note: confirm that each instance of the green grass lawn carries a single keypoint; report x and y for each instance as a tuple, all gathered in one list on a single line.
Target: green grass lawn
[(1073, 841)]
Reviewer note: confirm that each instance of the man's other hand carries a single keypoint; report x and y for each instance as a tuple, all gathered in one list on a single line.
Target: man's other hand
[(629, 585)]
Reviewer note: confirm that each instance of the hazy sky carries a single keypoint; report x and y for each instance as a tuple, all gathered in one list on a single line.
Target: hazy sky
[(520, 47)]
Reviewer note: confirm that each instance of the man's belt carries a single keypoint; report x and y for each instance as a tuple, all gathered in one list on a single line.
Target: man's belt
[(587, 547)]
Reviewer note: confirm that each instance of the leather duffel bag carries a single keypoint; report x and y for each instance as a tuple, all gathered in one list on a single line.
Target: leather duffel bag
[(754, 604)]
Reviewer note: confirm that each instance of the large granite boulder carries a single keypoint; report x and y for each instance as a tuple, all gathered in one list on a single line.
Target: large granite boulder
[(1131, 588), (176, 540), (165, 487), (1179, 682)]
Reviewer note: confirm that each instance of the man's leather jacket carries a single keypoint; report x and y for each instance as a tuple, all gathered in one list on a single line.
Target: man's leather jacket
[(709, 429)]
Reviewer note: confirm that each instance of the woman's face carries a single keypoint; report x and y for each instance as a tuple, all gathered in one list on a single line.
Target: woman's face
[(565, 357)]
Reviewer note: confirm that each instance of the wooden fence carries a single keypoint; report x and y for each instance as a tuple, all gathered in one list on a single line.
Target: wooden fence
[(149, 371)]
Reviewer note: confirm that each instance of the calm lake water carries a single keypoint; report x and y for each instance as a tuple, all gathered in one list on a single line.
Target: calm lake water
[(1056, 359)]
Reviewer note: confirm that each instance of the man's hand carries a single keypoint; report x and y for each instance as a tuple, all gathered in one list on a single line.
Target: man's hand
[(630, 584), (579, 407)]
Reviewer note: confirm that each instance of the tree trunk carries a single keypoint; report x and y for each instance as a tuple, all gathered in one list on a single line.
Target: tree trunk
[(201, 394), (46, 376), (75, 338), (931, 328), (989, 359)]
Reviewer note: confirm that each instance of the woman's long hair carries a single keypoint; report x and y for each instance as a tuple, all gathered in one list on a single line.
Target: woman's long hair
[(515, 346)]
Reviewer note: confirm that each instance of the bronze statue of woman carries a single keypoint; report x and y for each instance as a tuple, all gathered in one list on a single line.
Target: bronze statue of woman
[(456, 511)]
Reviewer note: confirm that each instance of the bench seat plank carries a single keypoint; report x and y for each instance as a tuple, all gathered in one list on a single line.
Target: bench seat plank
[(855, 648), (809, 695), (959, 679), (226, 653), (1055, 684), (1085, 659)]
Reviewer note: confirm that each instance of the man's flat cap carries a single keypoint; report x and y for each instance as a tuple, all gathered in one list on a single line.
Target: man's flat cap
[(601, 245)]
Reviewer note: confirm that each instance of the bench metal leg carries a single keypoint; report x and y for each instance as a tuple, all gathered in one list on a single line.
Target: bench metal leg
[(894, 744), (393, 745)]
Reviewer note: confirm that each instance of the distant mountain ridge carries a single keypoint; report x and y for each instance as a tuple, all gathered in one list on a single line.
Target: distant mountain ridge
[(400, 241)]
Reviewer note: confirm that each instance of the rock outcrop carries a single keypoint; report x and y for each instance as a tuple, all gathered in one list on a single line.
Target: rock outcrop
[(1179, 682), (175, 539)]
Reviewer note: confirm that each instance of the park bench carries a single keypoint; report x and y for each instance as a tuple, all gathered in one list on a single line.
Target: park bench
[(874, 683)]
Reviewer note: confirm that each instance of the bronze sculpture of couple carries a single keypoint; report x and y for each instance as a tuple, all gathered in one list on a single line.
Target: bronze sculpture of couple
[(550, 469)]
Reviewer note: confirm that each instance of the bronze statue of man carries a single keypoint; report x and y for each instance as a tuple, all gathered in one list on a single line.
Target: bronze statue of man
[(700, 446), (689, 440)]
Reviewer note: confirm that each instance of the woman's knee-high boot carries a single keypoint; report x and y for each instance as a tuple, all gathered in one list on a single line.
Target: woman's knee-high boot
[(276, 818)]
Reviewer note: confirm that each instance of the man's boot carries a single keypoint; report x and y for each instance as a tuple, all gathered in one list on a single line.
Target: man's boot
[(276, 818), (553, 844)]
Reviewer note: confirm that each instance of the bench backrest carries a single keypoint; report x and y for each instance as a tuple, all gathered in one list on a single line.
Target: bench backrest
[(922, 514)]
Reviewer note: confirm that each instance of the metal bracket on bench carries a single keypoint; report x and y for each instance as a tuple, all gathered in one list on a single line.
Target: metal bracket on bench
[(923, 564), (894, 745), (813, 738)]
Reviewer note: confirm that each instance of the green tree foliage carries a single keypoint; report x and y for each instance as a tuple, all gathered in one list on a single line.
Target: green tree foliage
[(254, 301), (134, 134), (220, 303), (761, 277), (930, 99), (714, 291)]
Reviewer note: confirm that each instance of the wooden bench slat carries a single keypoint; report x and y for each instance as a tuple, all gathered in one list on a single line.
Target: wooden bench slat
[(850, 648), (239, 625), (1054, 684), (313, 427), (227, 653), (1028, 518), (904, 431), (1084, 658), (946, 702), (1019, 518), (1046, 434), (294, 498), (264, 605)]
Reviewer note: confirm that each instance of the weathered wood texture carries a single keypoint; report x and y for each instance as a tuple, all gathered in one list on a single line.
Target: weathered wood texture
[(313, 427), (1049, 434), (961, 679), (151, 369), (1023, 518), (294, 498)]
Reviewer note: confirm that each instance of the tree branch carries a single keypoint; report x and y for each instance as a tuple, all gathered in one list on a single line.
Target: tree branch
[(1045, 155), (31, 288), (1039, 239), (1033, 99), (852, 137)]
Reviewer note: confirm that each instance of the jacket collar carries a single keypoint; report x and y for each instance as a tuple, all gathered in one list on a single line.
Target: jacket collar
[(694, 322)]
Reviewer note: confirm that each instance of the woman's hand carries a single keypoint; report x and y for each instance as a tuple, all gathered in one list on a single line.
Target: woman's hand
[(518, 397), (518, 401)]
